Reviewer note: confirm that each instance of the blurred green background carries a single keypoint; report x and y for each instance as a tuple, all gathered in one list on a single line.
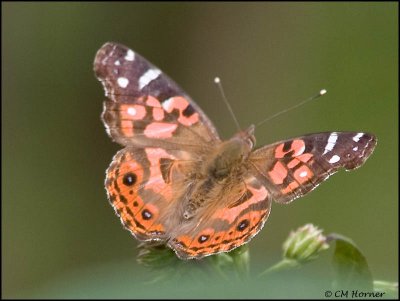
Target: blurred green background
[(61, 238)]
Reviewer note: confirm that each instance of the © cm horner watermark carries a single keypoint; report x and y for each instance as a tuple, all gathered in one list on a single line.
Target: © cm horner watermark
[(353, 294)]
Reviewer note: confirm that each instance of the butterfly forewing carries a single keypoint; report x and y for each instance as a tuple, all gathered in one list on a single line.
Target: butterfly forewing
[(294, 167), (145, 107)]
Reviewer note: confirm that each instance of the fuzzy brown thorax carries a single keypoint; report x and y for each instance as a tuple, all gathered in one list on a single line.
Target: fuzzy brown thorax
[(225, 162)]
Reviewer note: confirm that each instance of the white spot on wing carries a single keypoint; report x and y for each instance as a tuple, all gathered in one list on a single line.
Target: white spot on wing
[(331, 142), (166, 104), (357, 137), (130, 55), (123, 82), (148, 77), (355, 148), (303, 174), (334, 159), (132, 111), (117, 63)]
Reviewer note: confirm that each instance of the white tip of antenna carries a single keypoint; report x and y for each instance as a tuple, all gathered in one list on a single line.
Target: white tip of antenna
[(217, 80), (322, 92)]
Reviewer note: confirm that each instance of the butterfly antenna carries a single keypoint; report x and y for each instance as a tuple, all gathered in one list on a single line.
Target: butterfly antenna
[(219, 84), (322, 92)]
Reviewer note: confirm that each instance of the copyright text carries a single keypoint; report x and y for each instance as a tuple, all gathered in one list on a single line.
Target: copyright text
[(353, 294)]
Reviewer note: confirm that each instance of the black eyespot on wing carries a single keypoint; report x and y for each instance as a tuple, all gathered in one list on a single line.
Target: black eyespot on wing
[(129, 179), (146, 214), (243, 225), (203, 238)]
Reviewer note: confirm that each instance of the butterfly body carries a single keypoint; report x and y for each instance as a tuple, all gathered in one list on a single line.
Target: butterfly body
[(177, 182)]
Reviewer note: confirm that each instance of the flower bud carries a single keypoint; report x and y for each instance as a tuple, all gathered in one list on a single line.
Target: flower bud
[(304, 244)]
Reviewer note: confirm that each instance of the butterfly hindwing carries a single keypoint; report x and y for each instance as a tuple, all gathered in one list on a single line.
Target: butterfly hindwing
[(143, 186), (226, 224)]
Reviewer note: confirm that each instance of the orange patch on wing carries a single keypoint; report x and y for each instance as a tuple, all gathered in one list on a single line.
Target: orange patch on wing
[(130, 165), (132, 112), (184, 241), (278, 173), (155, 154), (127, 128), (305, 157), (293, 163), (303, 174), (156, 182), (160, 130), (279, 153), (177, 102), (255, 217), (288, 189), (158, 114), (297, 147), (181, 104), (153, 102), (230, 214)]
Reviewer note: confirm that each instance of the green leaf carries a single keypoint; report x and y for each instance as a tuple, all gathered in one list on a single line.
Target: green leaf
[(350, 266), (155, 255), (241, 261)]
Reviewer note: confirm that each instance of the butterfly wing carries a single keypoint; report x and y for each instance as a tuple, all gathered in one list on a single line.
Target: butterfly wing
[(164, 133), (229, 222), (143, 186), (289, 169), (144, 106)]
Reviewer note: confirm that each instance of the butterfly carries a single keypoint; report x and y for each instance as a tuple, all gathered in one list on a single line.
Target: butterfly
[(176, 182)]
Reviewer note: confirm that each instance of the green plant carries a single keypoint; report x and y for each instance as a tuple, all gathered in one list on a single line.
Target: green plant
[(351, 273)]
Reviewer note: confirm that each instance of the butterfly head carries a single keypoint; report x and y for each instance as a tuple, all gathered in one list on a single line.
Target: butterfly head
[(247, 136)]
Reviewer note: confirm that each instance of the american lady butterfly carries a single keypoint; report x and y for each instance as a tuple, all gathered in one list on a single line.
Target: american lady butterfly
[(177, 182)]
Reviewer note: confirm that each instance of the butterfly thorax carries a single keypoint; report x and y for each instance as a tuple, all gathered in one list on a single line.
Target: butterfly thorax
[(221, 172), (229, 156)]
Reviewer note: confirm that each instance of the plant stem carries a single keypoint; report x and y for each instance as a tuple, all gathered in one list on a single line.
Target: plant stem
[(284, 264)]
